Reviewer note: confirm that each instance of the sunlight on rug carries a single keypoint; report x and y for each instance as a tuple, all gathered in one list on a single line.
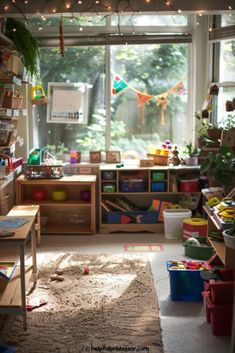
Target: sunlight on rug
[(113, 307), (143, 247)]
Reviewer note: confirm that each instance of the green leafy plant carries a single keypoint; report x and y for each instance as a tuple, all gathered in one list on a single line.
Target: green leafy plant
[(228, 122), (191, 151), (25, 43), (220, 166)]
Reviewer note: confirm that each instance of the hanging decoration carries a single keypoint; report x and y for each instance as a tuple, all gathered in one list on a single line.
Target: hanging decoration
[(142, 99), (120, 86), (38, 95), (61, 38), (162, 100), (178, 88)]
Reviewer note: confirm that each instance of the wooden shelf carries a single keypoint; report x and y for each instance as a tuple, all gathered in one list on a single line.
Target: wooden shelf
[(12, 294), (65, 229), (64, 217), (219, 248), (143, 199), (56, 203), (134, 228), (211, 216)]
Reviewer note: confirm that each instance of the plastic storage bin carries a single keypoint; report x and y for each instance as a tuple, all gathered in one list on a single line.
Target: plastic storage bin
[(158, 186), (189, 185), (194, 227), (158, 176), (220, 316), (185, 285), (109, 188), (132, 186), (173, 222), (198, 252)]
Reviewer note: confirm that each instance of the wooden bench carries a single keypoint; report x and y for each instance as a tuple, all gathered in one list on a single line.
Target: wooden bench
[(29, 210)]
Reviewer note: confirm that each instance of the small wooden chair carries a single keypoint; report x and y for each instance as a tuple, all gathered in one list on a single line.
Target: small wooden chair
[(28, 210)]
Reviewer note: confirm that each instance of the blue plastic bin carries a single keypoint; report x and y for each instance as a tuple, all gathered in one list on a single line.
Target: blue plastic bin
[(185, 285), (132, 186), (158, 186)]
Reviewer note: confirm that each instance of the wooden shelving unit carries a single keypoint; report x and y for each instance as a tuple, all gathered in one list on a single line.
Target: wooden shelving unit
[(112, 185), (71, 216), (226, 255)]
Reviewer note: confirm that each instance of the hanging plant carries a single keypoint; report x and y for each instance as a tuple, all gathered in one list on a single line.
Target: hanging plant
[(26, 45)]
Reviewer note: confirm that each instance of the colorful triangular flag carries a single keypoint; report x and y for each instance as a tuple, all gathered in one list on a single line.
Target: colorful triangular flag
[(178, 88), (119, 86), (143, 98)]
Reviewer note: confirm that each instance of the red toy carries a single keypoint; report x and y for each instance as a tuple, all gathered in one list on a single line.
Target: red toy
[(86, 270)]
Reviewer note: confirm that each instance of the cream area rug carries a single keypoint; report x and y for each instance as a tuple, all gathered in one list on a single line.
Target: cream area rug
[(113, 308)]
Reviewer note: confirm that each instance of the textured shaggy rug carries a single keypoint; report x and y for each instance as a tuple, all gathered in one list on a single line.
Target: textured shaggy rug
[(112, 309)]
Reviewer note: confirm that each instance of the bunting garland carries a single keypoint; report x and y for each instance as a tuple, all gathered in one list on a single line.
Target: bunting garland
[(162, 100), (120, 86), (143, 98)]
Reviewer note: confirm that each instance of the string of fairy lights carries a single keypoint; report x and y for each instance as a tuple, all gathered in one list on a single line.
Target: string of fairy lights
[(76, 10)]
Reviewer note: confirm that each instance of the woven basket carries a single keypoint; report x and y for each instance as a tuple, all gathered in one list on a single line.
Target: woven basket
[(229, 240), (158, 159)]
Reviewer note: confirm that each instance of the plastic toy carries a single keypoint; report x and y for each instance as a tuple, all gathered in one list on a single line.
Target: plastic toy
[(86, 270)]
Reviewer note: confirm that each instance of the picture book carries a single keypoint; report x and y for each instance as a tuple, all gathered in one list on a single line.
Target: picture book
[(7, 269), (12, 222)]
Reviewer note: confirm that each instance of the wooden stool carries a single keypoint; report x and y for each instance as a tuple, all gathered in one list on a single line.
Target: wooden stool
[(28, 210)]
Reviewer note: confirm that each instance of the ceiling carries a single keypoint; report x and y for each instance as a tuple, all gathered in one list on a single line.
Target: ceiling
[(19, 7)]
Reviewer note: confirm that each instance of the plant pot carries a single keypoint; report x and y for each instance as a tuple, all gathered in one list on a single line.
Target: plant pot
[(229, 240), (191, 161), (201, 141), (214, 133)]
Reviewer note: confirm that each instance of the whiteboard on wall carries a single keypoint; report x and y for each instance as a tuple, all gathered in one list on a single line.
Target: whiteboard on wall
[(68, 102)]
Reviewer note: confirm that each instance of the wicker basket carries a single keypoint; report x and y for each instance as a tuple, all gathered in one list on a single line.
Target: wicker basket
[(44, 171), (12, 102), (158, 159), (5, 204)]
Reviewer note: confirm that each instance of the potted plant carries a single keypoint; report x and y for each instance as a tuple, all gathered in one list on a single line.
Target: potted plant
[(228, 134), (191, 154), (25, 43), (220, 167), (229, 236), (207, 133)]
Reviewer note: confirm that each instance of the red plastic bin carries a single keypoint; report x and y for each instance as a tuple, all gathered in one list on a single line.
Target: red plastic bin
[(221, 291), (220, 316)]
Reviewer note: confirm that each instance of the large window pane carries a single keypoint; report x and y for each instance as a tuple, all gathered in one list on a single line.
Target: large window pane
[(78, 65), (227, 20), (225, 94), (153, 69), (227, 60)]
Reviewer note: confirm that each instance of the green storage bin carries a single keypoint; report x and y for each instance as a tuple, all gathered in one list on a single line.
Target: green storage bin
[(109, 188), (199, 252), (158, 176)]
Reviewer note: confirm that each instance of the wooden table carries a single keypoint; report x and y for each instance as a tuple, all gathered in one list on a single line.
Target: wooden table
[(8, 301)]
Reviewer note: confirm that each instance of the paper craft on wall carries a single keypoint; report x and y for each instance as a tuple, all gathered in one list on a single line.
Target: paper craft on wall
[(68, 103)]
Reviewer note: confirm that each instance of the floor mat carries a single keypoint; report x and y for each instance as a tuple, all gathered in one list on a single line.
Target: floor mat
[(143, 247)]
